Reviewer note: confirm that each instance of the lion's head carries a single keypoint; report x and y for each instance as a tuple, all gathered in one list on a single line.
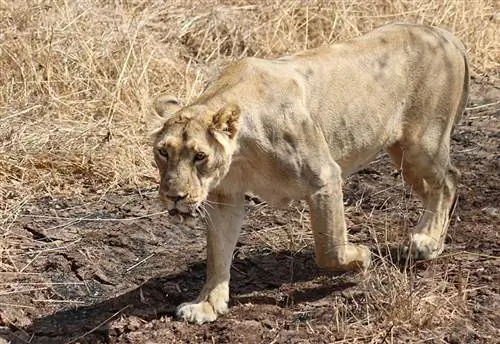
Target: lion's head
[(192, 149)]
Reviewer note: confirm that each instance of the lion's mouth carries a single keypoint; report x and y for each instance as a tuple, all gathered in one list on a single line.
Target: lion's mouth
[(177, 212), (183, 218), (180, 212)]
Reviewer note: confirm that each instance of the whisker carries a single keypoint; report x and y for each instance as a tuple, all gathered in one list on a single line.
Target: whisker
[(206, 214), (201, 211), (220, 203), (205, 203)]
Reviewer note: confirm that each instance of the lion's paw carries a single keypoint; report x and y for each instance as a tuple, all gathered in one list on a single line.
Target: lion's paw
[(198, 313), (425, 247), (354, 258), (359, 258), (365, 258)]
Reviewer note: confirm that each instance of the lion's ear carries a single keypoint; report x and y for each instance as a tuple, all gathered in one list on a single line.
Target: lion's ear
[(226, 120), (161, 109), (167, 105)]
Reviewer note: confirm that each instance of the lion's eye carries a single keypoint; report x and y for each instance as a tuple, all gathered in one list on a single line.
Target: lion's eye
[(200, 156), (163, 152)]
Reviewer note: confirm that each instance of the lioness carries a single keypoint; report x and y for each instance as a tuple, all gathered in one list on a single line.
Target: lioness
[(293, 127)]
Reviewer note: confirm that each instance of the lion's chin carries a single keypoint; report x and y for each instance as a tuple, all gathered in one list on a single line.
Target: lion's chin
[(175, 212), (183, 218)]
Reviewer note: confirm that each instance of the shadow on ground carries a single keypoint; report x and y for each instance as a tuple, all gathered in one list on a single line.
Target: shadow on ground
[(159, 297)]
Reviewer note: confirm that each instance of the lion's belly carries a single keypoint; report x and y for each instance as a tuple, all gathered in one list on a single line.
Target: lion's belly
[(277, 190), (357, 136), (353, 157), (350, 165)]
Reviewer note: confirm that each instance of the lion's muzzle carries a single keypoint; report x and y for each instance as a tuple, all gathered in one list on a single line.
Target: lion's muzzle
[(178, 205)]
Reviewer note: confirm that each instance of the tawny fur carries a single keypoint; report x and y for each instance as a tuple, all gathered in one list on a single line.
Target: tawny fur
[(293, 127)]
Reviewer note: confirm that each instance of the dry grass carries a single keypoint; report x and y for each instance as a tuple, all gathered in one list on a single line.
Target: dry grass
[(77, 79), (397, 302)]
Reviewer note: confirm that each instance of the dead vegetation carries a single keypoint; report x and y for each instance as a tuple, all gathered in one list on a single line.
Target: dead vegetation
[(78, 77)]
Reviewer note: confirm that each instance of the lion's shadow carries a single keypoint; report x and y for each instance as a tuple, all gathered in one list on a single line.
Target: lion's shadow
[(159, 296)]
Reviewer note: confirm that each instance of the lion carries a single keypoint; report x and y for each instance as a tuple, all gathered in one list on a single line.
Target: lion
[(293, 128)]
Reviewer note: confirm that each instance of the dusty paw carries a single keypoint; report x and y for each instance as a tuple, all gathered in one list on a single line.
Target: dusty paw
[(352, 258), (425, 247), (205, 311), (198, 313), (363, 260)]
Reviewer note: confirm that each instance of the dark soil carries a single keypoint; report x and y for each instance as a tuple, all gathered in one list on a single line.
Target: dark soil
[(103, 268)]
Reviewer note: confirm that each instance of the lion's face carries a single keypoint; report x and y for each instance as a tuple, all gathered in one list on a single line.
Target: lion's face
[(193, 153)]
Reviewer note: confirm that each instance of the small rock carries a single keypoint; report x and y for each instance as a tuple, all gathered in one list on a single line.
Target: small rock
[(491, 211)]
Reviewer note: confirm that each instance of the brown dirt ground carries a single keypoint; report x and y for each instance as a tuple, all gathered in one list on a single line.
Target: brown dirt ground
[(103, 268)]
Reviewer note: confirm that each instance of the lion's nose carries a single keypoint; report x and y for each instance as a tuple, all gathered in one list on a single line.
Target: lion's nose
[(176, 198)]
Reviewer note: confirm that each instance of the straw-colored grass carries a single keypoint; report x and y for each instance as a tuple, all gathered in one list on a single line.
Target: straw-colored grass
[(77, 77)]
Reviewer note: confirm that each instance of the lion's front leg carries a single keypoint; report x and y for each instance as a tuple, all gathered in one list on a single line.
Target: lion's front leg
[(224, 218), (332, 249)]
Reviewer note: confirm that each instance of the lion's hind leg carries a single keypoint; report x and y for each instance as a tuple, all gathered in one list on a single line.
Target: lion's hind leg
[(427, 168)]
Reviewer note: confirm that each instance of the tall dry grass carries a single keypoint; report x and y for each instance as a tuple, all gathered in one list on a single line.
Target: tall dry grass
[(77, 77)]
